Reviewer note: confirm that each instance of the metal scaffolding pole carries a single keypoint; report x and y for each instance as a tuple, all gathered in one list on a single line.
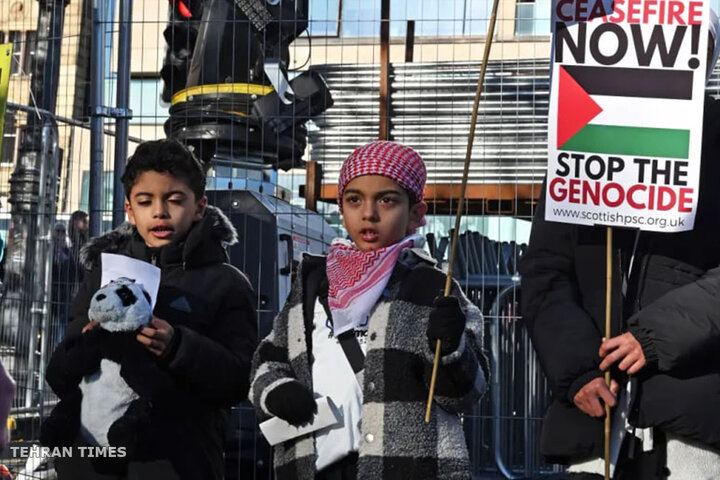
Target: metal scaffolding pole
[(46, 71), (123, 101), (97, 79), (33, 191)]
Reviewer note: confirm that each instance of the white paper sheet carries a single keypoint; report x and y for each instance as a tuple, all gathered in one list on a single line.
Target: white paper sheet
[(116, 266), (277, 430)]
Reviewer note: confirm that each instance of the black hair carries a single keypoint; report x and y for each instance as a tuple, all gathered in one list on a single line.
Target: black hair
[(78, 237), (77, 215), (165, 156)]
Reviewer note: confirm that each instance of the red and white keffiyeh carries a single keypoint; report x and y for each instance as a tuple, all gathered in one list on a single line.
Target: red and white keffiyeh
[(389, 159), (357, 278)]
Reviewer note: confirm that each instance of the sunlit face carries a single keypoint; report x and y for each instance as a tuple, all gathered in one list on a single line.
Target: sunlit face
[(162, 208), (81, 224), (377, 212)]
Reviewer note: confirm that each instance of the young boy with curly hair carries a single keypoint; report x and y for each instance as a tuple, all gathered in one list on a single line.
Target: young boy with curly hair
[(203, 330)]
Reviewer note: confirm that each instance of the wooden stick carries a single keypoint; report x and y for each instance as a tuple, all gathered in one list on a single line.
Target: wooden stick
[(384, 133), (461, 199), (608, 297)]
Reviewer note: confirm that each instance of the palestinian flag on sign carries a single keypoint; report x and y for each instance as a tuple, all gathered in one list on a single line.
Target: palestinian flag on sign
[(608, 110)]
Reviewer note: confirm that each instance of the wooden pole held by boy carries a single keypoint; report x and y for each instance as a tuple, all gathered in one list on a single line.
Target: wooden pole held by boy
[(463, 188)]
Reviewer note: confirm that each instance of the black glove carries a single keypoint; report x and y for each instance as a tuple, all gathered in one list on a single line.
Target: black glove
[(447, 323), (292, 402)]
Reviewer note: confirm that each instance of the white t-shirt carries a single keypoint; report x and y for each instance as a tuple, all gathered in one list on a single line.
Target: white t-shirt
[(333, 377)]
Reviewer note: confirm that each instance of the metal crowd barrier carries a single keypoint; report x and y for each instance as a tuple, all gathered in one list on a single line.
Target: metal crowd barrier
[(513, 408)]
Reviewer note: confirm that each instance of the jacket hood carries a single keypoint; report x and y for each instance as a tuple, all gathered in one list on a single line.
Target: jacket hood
[(213, 232)]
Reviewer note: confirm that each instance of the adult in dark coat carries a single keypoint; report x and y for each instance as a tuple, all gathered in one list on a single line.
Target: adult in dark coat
[(665, 302), (671, 306)]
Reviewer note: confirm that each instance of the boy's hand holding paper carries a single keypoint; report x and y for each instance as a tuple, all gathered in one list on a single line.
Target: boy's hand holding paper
[(292, 402), (158, 337), (277, 430)]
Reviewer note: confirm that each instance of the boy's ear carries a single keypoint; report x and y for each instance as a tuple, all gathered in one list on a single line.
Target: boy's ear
[(200, 208), (130, 213), (417, 213)]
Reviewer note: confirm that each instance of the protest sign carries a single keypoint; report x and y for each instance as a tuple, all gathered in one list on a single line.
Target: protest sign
[(626, 110)]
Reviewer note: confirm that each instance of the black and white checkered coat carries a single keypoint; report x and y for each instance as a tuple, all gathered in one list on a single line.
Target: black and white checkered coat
[(396, 443)]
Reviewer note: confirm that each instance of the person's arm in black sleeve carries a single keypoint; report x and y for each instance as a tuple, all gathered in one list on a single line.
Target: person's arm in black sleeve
[(681, 328), (216, 367), (565, 337), (81, 302)]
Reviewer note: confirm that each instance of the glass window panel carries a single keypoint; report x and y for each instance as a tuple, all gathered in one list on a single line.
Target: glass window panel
[(361, 18), (8, 142), (109, 19), (533, 18), (145, 101), (477, 17), (324, 18), (30, 51), (16, 38), (543, 9), (107, 191), (440, 18), (524, 13)]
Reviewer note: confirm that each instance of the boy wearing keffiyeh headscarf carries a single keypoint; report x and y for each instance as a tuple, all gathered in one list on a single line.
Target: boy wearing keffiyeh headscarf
[(360, 327)]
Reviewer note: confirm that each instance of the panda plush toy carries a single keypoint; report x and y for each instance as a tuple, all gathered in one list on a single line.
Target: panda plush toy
[(120, 306), (106, 380)]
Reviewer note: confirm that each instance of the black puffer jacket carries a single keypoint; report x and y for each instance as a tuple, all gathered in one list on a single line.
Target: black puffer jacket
[(210, 305), (672, 306)]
